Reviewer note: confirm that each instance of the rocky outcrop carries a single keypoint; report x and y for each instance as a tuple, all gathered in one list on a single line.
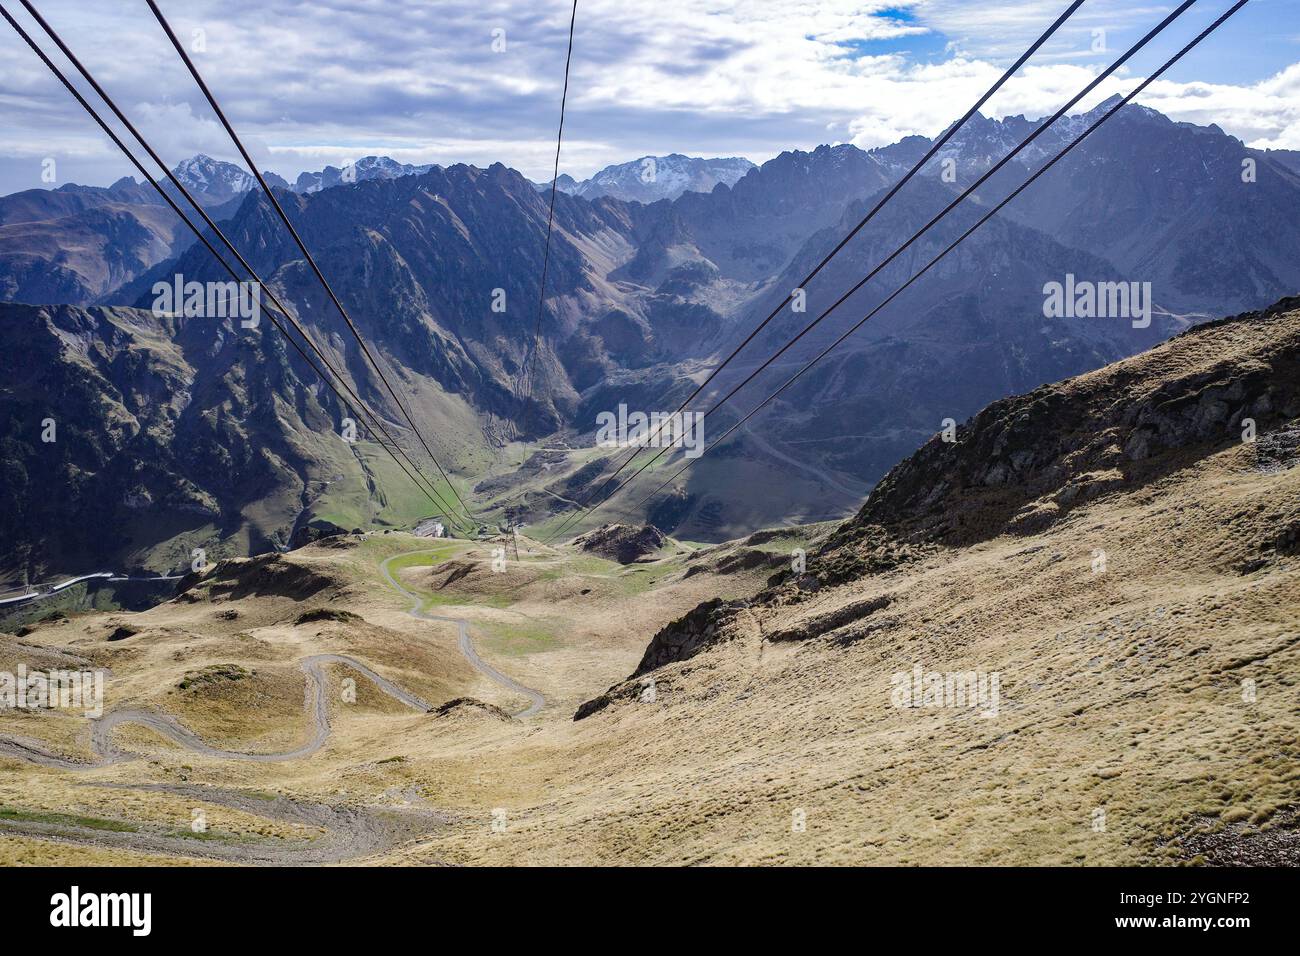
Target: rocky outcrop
[(315, 530), (322, 614), (735, 561), (622, 543), (626, 691), (688, 635), (266, 575), (704, 626), (471, 707), (1025, 461), (831, 621)]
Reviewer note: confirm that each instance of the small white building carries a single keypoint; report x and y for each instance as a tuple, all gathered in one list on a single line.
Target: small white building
[(430, 528)]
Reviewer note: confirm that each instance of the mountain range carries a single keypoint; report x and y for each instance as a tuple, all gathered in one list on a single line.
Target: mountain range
[(646, 179), (644, 293), (652, 178), (1065, 639)]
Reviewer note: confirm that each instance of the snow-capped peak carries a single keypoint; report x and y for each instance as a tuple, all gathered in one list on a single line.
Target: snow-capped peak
[(366, 168), (650, 178), (213, 177)]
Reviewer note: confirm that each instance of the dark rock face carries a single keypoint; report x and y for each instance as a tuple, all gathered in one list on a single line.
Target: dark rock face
[(1070, 442), (315, 530), (159, 425), (688, 635), (597, 704), (628, 691), (622, 543), (323, 614), (832, 621), (265, 575), (679, 641)]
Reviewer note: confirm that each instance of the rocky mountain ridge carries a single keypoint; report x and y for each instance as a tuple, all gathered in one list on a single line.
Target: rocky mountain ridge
[(441, 271), (1024, 463)]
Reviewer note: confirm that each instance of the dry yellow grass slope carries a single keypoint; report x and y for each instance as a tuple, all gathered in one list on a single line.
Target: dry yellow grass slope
[(1109, 562)]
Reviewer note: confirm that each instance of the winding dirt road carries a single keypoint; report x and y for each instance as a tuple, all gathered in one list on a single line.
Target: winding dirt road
[(820, 474), (350, 832), (315, 701), (535, 698), (316, 704)]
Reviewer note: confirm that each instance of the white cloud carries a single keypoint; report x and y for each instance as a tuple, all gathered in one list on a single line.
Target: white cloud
[(308, 84)]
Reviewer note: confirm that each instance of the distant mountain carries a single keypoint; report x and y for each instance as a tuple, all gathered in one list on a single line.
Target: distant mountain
[(643, 297), (1163, 202), (564, 182), (363, 170), (1287, 157), (168, 432), (76, 243), (750, 230), (971, 332), (215, 182), (212, 181), (417, 258), (1143, 200), (651, 178)]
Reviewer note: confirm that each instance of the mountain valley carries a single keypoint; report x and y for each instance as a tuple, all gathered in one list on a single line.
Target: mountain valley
[(1115, 555), (641, 301)]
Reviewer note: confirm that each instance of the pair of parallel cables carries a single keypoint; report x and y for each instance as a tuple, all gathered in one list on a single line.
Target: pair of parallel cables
[(603, 496), (403, 460)]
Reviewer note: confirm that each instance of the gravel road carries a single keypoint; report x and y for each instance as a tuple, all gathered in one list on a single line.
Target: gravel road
[(536, 701)]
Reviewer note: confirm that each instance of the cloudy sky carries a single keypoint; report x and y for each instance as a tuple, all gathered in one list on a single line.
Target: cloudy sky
[(329, 81)]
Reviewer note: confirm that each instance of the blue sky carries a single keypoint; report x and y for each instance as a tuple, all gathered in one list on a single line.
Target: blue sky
[(328, 81)]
